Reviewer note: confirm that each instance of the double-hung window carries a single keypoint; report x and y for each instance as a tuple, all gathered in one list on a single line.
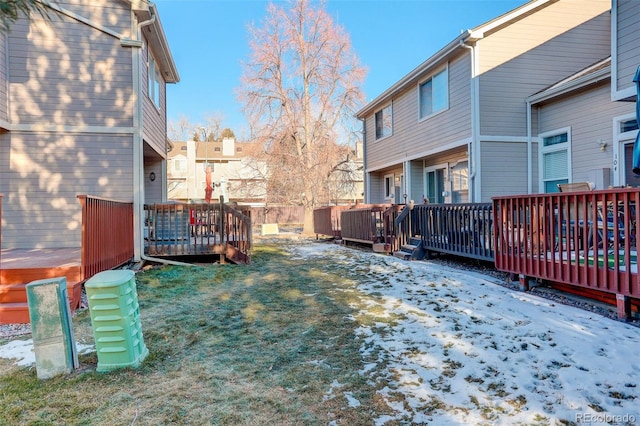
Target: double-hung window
[(434, 94), (384, 122), (555, 159), (154, 81)]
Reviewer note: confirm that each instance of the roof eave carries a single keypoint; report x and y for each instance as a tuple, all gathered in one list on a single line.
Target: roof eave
[(571, 86), (410, 78), (157, 39)]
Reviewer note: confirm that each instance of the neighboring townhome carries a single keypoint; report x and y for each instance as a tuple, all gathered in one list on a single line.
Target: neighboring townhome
[(579, 132), (458, 127), (82, 111), (625, 60), (234, 175)]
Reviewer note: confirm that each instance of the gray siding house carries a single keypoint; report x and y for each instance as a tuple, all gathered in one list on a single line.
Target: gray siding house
[(82, 111), (462, 126)]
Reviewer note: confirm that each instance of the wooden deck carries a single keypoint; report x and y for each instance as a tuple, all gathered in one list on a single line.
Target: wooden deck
[(18, 267), (39, 258)]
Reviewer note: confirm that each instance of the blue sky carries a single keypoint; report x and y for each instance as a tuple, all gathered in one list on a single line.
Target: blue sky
[(208, 40)]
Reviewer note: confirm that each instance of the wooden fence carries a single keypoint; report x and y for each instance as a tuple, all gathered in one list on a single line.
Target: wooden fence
[(326, 221), (282, 215), (107, 234)]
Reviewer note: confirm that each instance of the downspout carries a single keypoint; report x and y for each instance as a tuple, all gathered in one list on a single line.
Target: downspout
[(472, 146), (138, 148), (138, 158), (366, 184), (529, 151)]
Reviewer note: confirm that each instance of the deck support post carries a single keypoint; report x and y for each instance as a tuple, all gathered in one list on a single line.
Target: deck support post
[(523, 282), (624, 306)]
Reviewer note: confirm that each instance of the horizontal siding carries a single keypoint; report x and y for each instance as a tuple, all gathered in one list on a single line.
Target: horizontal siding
[(154, 119), (88, 74), (628, 41), (41, 176), (590, 116), (115, 15), (4, 84), (153, 191), (412, 138), (503, 166), (452, 156), (377, 185), (532, 54), (376, 191)]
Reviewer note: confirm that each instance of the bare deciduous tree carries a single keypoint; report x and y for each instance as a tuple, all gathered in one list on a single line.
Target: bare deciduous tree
[(184, 129), (300, 90)]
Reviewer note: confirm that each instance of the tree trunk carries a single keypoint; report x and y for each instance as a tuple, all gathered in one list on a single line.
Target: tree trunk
[(307, 228)]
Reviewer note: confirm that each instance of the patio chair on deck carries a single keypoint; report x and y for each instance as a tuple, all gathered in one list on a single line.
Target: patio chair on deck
[(574, 216)]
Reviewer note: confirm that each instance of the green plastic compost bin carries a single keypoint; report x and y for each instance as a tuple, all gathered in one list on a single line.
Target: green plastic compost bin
[(115, 317)]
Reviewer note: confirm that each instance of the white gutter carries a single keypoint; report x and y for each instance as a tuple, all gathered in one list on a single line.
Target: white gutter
[(138, 157)]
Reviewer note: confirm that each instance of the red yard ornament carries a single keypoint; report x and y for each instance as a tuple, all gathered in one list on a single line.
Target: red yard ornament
[(208, 191)]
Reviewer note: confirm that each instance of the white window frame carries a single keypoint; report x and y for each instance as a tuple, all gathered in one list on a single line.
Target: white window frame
[(389, 186), (432, 78), (384, 119), (434, 169), (565, 146), (622, 139), (154, 83)]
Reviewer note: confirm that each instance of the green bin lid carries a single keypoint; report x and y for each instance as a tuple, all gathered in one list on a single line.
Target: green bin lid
[(110, 278)]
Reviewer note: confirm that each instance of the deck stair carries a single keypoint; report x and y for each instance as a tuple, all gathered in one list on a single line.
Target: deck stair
[(14, 308), (413, 250)]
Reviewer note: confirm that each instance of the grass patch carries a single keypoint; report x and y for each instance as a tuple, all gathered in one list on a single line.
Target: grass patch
[(229, 345)]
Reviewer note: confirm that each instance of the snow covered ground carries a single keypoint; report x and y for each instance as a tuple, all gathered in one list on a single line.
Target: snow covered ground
[(452, 347)]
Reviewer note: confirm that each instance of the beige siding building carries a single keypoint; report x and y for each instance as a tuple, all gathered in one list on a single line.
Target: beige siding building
[(82, 111), (458, 127), (625, 40)]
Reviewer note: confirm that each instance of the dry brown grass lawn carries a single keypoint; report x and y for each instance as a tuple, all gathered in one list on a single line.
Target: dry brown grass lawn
[(229, 345)]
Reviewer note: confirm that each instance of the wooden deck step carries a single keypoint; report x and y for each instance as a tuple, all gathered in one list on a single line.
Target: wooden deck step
[(14, 308), (14, 313), (402, 255), (26, 275), (13, 293)]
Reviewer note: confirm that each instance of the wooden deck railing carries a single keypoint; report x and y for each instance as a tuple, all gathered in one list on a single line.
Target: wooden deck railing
[(326, 221), (107, 234), (364, 225), (177, 229), (396, 222), (459, 229), (585, 239), (238, 230)]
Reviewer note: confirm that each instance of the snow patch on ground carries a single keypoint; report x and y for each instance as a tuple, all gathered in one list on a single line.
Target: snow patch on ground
[(454, 347), (22, 351)]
